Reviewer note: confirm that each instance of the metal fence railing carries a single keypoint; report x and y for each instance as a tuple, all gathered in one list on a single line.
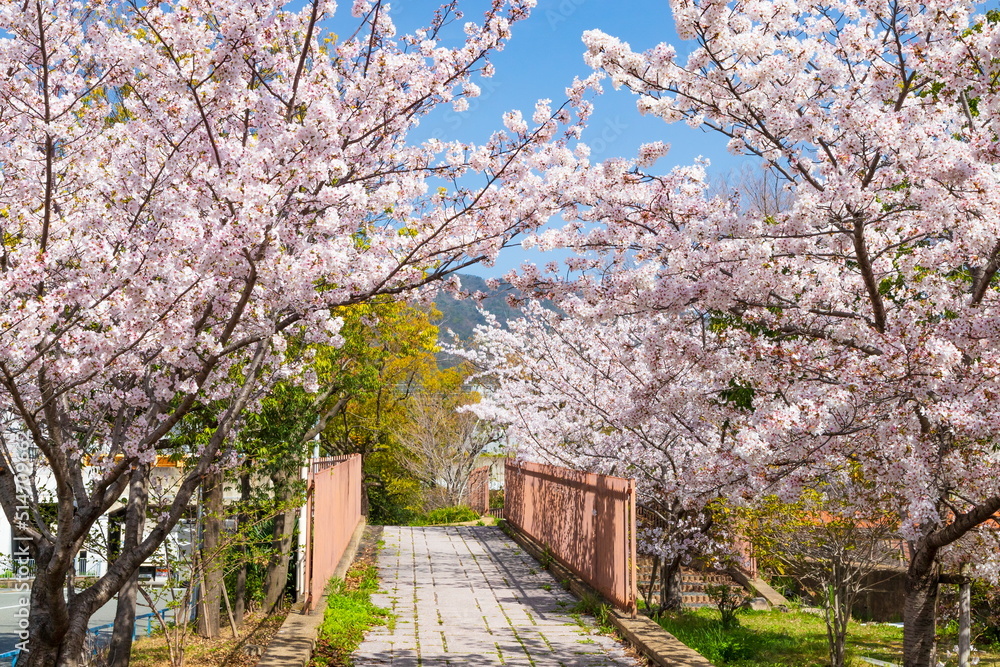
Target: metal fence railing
[(24, 568), (99, 637), (88, 568), (17, 569)]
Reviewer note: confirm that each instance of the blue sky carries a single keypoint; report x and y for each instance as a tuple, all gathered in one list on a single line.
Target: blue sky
[(540, 61), (543, 56)]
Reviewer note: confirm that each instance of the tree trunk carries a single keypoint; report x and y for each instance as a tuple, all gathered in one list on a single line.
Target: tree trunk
[(920, 608), (281, 542), (964, 623), (56, 631), (671, 585), (243, 521), (120, 650), (277, 568), (212, 567), (647, 595), (837, 614)]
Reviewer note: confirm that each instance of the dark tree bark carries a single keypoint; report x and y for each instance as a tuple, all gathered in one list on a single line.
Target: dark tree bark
[(57, 625), (920, 607), (240, 589), (281, 541), (120, 650), (922, 581), (670, 585), (211, 561)]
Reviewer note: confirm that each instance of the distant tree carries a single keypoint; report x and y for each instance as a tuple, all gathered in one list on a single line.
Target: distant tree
[(831, 548), (443, 440)]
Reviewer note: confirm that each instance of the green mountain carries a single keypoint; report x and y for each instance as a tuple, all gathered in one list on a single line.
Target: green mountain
[(462, 315)]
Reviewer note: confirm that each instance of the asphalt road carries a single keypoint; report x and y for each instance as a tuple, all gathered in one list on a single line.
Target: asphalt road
[(10, 607)]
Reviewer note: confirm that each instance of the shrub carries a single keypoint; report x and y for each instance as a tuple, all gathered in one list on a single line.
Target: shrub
[(985, 614), (730, 600), (496, 499), (452, 514), (457, 514)]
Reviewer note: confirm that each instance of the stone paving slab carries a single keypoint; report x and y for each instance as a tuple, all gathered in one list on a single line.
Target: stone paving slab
[(470, 597)]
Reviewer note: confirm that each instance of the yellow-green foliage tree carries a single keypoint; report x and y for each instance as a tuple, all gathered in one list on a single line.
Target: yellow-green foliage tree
[(833, 549), (385, 343), (398, 346)]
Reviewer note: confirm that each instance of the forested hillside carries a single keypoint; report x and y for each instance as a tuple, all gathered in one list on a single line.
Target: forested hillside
[(461, 316)]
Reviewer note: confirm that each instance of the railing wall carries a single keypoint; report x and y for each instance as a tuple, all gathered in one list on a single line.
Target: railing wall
[(586, 521), (333, 510), (477, 491)]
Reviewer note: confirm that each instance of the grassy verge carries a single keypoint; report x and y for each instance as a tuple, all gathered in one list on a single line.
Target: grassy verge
[(796, 639), (350, 612), (224, 651), (444, 515), (777, 639), (791, 639)]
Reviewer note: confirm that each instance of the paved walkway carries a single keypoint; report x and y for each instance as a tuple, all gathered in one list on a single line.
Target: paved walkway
[(469, 596)]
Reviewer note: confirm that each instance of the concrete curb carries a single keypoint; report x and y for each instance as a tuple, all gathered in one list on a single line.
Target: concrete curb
[(294, 643), (658, 645)]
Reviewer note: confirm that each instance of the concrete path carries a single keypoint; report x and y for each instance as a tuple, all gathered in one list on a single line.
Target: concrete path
[(469, 596)]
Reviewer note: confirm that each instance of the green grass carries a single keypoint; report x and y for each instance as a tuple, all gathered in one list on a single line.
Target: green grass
[(444, 515), (795, 639), (349, 615), (593, 606), (777, 639)]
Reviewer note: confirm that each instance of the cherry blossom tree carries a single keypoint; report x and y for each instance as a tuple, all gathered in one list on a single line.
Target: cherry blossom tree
[(605, 397), (863, 318), (183, 186)]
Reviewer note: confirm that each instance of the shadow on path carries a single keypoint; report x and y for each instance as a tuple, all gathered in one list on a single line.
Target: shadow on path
[(470, 596)]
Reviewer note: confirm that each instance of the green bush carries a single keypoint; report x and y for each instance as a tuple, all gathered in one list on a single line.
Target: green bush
[(730, 600), (452, 514), (457, 514), (985, 615), (254, 551)]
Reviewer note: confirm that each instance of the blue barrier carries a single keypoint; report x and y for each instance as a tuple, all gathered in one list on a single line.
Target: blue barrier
[(97, 642)]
